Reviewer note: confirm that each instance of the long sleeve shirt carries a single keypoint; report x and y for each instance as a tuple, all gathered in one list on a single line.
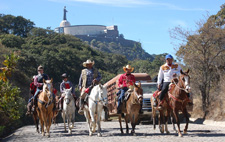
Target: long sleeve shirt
[(126, 80), (90, 77), (66, 85), (166, 72)]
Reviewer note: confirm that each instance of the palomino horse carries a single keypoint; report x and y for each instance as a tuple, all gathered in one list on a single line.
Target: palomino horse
[(45, 106), (68, 111), (131, 108), (179, 99), (93, 111)]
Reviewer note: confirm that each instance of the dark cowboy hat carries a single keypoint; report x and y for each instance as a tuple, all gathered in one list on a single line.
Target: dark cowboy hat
[(65, 75)]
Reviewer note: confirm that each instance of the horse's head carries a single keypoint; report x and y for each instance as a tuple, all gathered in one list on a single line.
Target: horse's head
[(68, 95), (139, 92), (185, 79), (48, 88)]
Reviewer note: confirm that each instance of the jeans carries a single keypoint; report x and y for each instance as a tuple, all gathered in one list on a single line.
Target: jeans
[(122, 96), (165, 88)]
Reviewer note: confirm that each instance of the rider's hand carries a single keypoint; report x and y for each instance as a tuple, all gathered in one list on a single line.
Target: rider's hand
[(174, 75), (94, 81), (158, 86), (80, 89)]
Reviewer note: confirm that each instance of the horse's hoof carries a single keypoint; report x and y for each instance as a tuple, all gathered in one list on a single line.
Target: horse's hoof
[(99, 135), (90, 134), (134, 134), (43, 134), (167, 132), (180, 135), (185, 132)]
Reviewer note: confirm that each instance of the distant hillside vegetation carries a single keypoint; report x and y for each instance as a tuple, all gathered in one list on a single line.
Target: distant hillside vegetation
[(129, 48)]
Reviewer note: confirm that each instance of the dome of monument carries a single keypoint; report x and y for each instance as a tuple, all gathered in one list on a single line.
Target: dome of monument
[(65, 23)]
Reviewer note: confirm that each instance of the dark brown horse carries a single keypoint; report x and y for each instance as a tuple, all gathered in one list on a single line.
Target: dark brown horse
[(178, 98), (163, 115), (131, 109)]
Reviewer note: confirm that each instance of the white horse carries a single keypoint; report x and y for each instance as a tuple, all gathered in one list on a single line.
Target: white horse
[(68, 111), (92, 112)]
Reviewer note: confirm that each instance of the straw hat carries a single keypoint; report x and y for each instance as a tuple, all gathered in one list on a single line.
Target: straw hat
[(88, 62), (128, 67)]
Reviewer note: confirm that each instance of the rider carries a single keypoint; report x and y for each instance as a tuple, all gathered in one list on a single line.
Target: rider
[(32, 92), (89, 77), (166, 73), (126, 81), (38, 82), (66, 84)]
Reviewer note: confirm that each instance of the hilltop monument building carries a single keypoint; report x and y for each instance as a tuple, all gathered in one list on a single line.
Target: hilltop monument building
[(86, 30)]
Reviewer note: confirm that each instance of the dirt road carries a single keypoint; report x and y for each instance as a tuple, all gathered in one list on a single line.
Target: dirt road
[(111, 133)]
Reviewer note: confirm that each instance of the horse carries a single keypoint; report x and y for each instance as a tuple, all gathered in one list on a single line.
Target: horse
[(93, 110), (68, 111), (178, 98), (34, 114), (56, 112), (163, 115), (131, 108), (45, 106)]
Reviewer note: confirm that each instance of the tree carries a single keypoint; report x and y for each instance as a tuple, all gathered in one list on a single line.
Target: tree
[(202, 52)]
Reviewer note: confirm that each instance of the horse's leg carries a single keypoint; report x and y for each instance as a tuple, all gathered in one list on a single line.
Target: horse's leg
[(187, 120), (126, 120), (35, 118), (69, 121), (166, 121), (175, 112), (92, 110), (153, 117), (161, 124), (121, 129), (173, 121), (87, 116), (98, 121), (49, 123), (42, 123), (64, 119), (133, 123)]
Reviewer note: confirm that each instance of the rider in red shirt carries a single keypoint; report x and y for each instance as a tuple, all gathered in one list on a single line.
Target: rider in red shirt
[(125, 81)]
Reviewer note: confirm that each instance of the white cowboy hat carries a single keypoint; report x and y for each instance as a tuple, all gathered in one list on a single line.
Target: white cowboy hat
[(128, 67), (88, 62)]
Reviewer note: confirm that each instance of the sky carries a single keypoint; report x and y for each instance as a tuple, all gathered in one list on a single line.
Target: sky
[(145, 21)]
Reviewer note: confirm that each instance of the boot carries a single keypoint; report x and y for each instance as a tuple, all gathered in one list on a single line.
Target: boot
[(81, 112), (35, 104)]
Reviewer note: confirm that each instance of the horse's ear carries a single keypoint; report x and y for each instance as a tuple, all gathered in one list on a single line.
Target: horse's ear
[(139, 84), (44, 81), (181, 72), (187, 71), (51, 80)]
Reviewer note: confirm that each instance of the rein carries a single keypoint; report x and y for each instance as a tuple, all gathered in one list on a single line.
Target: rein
[(176, 99), (178, 86), (138, 97)]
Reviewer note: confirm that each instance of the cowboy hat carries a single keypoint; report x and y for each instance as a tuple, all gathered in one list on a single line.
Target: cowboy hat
[(65, 75), (88, 62), (128, 67), (40, 68)]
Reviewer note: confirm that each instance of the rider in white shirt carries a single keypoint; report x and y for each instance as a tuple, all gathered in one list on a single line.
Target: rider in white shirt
[(166, 73)]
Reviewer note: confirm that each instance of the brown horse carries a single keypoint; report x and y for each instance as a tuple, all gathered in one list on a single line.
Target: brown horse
[(45, 106), (131, 108), (178, 98), (164, 114)]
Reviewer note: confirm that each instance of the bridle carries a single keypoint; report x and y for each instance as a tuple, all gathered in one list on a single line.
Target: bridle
[(184, 89)]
